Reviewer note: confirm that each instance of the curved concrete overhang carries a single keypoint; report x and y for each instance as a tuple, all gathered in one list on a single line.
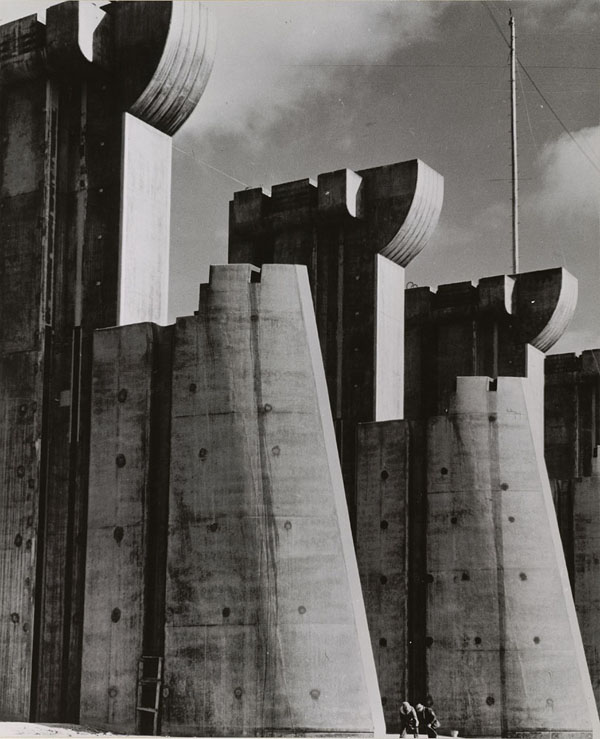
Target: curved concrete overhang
[(421, 219), (157, 54), (537, 305), (182, 72), (544, 303)]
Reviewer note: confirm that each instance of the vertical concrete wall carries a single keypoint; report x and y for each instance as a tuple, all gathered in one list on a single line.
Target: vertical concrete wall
[(26, 171), (145, 224), (504, 651), (65, 86), (571, 439), (389, 340), (382, 543), (586, 576), (124, 504), (265, 628)]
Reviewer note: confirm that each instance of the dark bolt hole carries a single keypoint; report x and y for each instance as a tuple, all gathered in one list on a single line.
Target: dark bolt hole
[(384, 525), (383, 642), (213, 526), (193, 387), (314, 694), (18, 540), (465, 576), (118, 534), (226, 612), (122, 396), (120, 460), (20, 471), (511, 519), (383, 579), (454, 519), (31, 483), (444, 470), (522, 576), (492, 418), (429, 641), (238, 692), (536, 639), (430, 578), (115, 616), (25, 628), (28, 544), (14, 617), (384, 474), (504, 486), (477, 640), (202, 453), (490, 700), (23, 409)]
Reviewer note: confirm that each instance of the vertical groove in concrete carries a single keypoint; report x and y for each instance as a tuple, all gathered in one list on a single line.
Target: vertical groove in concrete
[(382, 544), (265, 632), (500, 660)]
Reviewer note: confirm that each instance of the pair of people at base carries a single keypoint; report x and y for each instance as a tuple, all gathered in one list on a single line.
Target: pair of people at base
[(423, 717)]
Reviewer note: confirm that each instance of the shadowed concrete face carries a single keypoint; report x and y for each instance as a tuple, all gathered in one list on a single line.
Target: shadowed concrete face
[(504, 651), (265, 628), (571, 441), (79, 174), (483, 329)]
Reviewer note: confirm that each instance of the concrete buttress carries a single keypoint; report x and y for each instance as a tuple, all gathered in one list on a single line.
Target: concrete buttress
[(90, 97), (504, 652), (265, 631), (356, 232)]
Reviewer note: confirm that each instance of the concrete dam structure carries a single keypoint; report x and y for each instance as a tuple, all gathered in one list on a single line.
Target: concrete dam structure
[(318, 495)]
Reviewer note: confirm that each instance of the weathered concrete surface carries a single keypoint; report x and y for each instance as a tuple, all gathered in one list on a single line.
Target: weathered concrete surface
[(64, 90), (571, 441), (354, 231), (265, 629), (126, 504), (382, 540), (505, 655)]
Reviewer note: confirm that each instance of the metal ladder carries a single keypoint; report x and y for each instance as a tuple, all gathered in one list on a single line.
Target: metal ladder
[(148, 701)]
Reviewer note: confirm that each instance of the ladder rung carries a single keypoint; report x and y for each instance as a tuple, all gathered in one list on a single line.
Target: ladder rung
[(150, 680), (148, 710)]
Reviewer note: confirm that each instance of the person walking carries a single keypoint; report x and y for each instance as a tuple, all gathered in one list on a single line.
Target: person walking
[(427, 720), (408, 720)]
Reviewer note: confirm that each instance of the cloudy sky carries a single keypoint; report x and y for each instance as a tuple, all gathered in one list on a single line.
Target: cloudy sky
[(302, 87)]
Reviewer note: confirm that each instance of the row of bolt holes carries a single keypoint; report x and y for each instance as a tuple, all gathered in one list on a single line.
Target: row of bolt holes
[(429, 641), (444, 471), (315, 694)]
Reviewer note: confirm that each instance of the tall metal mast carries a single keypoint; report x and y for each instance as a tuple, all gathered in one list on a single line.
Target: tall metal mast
[(513, 127)]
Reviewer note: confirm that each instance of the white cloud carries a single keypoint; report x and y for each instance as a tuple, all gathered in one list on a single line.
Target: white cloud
[(571, 178), (271, 54)]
